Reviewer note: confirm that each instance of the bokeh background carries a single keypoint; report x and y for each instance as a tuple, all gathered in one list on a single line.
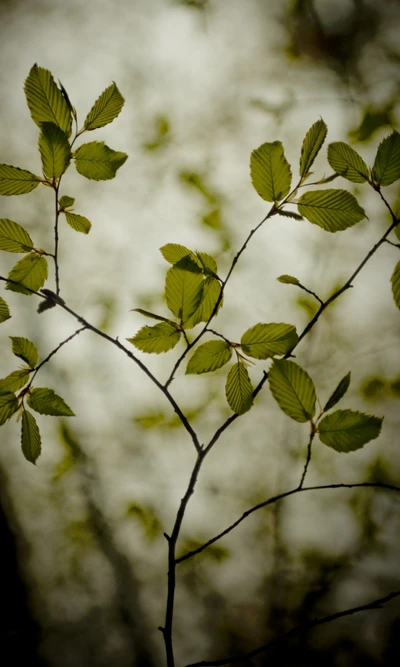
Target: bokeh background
[(205, 82)]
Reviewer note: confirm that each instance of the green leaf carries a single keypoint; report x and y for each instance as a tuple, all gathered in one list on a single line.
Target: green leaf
[(395, 280), (386, 169), (270, 171), (66, 202), (16, 181), (333, 210), (4, 311), (78, 222), (30, 437), (184, 288), (288, 280), (211, 292), (152, 316), (8, 406), (207, 263), (154, 340), (293, 390), (312, 143), (31, 271), (339, 392), (106, 108), (47, 402), (267, 340), (54, 150), (173, 252), (289, 214), (209, 357), (13, 237), (25, 350), (347, 162), (238, 389), (97, 161), (14, 381), (346, 431), (46, 101)]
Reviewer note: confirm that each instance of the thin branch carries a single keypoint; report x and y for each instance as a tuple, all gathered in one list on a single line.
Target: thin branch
[(281, 496), (308, 459), (56, 239), (299, 629), (53, 352)]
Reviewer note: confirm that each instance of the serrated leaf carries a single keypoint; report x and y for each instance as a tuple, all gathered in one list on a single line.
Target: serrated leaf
[(13, 237), (30, 437), (293, 390), (25, 350), (312, 143), (106, 108), (288, 280), (270, 171), (211, 292), (31, 271), (54, 150), (333, 210), (395, 280), (4, 311), (289, 214), (46, 101), (209, 357), (16, 181), (267, 340), (47, 402), (8, 406), (346, 430), (386, 169), (78, 222), (345, 161), (97, 161), (339, 392), (208, 263), (14, 381), (184, 288), (173, 252), (154, 340), (238, 389), (152, 316), (66, 202)]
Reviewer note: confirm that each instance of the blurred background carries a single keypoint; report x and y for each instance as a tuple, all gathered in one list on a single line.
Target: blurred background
[(205, 82)]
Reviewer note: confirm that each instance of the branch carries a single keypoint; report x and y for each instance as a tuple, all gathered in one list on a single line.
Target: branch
[(302, 628), (308, 459), (275, 499), (53, 352)]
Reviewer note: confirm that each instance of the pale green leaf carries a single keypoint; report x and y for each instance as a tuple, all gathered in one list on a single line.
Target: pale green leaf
[(395, 280), (54, 150), (288, 280), (333, 210), (31, 271), (15, 380), (66, 202), (4, 311), (339, 392), (8, 406), (270, 171), (238, 389), (106, 108), (173, 252), (386, 169), (209, 357), (293, 390), (152, 316), (346, 431), (30, 437), (13, 237), (184, 288), (46, 101), (211, 292), (16, 181), (25, 350), (312, 143), (347, 162), (97, 161), (267, 340), (47, 402), (78, 222), (154, 340), (208, 263)]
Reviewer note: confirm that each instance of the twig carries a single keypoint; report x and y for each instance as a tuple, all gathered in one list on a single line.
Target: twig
[(308, 459), (53, 352)]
